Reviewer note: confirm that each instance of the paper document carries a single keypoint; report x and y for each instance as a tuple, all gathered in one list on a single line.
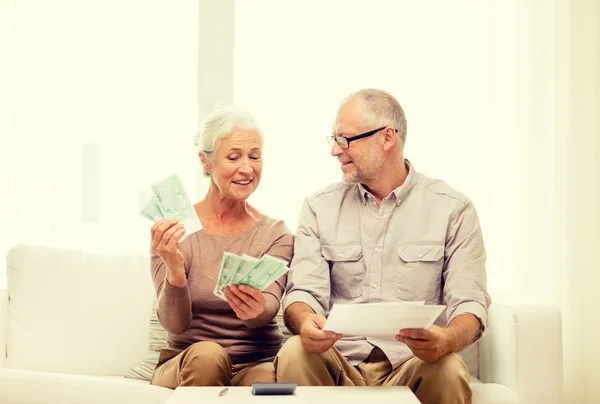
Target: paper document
[(380, 320)]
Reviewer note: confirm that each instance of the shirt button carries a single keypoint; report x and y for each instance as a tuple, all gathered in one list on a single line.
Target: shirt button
[(376, 249), (374, 286), (341, 255)]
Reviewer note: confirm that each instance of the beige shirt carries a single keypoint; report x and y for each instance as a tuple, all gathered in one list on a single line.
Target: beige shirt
[(193, 313), (423, 243)]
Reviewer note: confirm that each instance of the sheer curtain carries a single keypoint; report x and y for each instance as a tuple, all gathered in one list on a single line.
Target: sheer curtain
[(104, 101), (474, 78), (7, 132), (578, 193), (501, 99)]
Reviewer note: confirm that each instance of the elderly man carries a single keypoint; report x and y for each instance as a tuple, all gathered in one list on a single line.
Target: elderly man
[(387, 233)]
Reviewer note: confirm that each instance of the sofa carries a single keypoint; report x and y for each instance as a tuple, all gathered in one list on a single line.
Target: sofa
[(74, 323)]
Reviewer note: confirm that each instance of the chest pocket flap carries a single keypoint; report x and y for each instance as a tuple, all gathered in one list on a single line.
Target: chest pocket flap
[(341, 252), (420, 252), (347, 269)]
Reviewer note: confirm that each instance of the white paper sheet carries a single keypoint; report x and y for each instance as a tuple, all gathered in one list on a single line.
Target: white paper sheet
[(380, 320)]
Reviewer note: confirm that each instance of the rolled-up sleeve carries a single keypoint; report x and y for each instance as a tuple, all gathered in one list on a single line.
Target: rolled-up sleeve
[(465, 284), (308, 279)]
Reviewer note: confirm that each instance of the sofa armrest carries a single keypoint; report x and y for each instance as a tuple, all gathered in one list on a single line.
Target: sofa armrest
[(522, 349), (3, 324)]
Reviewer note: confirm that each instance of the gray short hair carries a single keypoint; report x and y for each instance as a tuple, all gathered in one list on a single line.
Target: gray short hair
[(221, 123), (380, 108)]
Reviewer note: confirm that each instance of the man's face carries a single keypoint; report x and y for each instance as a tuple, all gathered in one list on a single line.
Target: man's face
[(363, 160)]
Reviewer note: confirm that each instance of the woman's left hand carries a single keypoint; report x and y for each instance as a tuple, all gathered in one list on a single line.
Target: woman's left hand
[(247, 302)]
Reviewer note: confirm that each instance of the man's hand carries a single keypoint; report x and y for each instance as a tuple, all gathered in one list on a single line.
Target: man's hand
[(313, 338), (427, 345), (247, 302)]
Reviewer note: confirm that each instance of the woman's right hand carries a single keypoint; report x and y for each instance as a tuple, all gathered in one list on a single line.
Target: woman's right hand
[(165, 242)]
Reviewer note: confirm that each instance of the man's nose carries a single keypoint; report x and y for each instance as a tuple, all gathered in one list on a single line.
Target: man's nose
[(336, 150)]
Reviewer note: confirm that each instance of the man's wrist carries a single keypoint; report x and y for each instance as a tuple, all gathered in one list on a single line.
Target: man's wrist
[(295, 316), (450, 344), (462, 331)]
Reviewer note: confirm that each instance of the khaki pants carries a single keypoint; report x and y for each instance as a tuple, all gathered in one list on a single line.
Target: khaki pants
[(443, 382), (207, 364)]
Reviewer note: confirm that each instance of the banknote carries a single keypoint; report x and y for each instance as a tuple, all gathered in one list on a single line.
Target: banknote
[(247, 270), (152, 210), (169, 200), (231, 264), (266, 271), (249, 264)]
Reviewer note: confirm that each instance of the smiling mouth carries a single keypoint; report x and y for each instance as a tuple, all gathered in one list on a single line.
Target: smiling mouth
[(345, 163), (245, 182)]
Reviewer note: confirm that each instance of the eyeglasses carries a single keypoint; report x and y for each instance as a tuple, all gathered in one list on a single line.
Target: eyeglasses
[(344, 142)]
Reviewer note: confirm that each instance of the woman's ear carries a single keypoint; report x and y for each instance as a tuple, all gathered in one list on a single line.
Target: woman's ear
[(204, 162)]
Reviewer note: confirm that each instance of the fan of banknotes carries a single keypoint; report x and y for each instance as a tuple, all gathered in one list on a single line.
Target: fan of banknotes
[(170, 201), (246, 270)]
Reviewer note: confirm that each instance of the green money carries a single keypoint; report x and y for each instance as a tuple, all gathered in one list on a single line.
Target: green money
[(249, 264), (152, 210), (266, 271), (231, 264), (172, 199)]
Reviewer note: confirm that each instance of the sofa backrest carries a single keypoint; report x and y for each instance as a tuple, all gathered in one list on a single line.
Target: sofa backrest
[(77, 312), (89, 313)]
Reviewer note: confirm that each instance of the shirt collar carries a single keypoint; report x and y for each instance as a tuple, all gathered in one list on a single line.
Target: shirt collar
[(399, 193)]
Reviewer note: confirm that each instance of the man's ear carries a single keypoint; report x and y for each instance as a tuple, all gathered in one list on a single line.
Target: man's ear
[(204, 162), (389, 138)]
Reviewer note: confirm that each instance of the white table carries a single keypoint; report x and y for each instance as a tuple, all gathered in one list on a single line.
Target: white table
[(312, 395)]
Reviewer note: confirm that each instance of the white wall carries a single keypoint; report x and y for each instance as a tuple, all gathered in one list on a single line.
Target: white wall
[(580, 183), (106, 103), (474, 79), (216, 27), (7, 132)]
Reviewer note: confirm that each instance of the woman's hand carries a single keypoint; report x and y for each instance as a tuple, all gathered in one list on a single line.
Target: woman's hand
[(247, 302), (165, 241)]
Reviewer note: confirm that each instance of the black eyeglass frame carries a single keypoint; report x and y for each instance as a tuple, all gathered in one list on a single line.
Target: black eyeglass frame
[(347, 140)]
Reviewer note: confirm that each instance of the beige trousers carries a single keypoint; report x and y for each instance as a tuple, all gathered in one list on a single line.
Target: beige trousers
[(207, 364), (443, 382)]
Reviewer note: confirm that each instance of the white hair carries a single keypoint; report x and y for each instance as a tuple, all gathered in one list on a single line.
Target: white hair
[(380, 108), (221, 123)]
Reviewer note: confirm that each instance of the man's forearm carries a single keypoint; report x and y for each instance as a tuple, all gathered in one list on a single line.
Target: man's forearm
[(462, 331), (295, 314)]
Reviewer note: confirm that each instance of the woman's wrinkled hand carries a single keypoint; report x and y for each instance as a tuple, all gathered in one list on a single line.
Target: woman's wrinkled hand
[(247, 302), (165, 242)]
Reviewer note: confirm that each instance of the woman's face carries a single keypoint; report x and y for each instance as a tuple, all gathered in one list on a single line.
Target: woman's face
[(236, 164)]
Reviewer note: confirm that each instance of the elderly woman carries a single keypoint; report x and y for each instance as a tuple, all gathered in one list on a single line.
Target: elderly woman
[(213, 342)]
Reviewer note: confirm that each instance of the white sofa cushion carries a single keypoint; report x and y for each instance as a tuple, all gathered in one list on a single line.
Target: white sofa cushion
[(157, 342), (76, 312), (27, 387)]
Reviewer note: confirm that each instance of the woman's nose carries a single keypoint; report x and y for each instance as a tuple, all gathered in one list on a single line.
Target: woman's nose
[(246, 167)]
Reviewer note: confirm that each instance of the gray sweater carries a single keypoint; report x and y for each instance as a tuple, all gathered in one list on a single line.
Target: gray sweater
[(193, 313)]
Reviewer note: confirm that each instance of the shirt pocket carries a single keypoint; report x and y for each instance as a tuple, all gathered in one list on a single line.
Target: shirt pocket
[(419, 272), (347, 269)]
